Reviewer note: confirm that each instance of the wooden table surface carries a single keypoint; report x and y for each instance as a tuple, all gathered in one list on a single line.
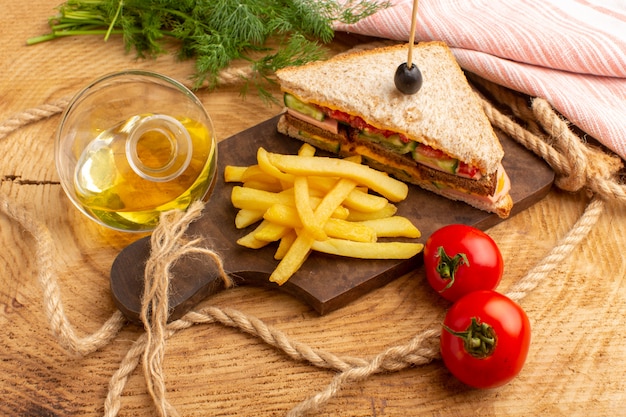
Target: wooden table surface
[(576, 365)]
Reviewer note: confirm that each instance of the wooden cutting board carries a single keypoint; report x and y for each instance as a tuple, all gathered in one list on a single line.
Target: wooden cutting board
[(325, 282)]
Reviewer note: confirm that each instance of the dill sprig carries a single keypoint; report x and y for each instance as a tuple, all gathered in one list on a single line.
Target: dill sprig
[(215, 32)]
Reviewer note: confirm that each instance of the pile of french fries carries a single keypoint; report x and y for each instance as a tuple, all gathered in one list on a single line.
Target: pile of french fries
[(314, 203)]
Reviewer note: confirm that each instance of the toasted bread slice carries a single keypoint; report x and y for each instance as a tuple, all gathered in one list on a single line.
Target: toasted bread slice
[(445, 114)]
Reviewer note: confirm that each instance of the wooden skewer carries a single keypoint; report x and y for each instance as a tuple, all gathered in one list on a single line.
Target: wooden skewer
[(409, 61)]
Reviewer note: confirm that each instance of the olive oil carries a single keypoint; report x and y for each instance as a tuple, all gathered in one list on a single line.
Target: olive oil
[(148, 164)]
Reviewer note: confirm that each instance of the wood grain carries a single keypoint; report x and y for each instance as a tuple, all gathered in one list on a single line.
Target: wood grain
[(577, 362)]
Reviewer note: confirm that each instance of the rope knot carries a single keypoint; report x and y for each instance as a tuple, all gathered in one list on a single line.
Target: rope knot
[(577, 164), (168, 245), (580, 164)]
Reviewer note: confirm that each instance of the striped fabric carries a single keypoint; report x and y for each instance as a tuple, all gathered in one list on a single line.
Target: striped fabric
[(570, 52)]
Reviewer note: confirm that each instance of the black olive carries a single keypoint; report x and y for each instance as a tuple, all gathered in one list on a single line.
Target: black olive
[(408, 80)]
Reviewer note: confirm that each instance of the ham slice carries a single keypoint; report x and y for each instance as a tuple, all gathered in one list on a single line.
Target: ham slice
[(328, 124)]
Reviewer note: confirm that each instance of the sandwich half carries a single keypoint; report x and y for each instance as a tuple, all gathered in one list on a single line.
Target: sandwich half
[(438, 138)]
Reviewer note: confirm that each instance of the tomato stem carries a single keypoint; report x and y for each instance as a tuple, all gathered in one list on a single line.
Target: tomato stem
[(447, 266), (479, 339)]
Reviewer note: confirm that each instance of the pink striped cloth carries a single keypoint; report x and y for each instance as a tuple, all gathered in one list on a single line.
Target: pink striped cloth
[(570, 52)]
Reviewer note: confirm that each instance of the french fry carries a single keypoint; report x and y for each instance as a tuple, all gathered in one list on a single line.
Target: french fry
[(250, 241), (272, 232), (254, 172), (306, 150), (333, 199), (362, 201), (285, 243), (284, 215), (341, 213), (311, 203), (254, 199), (293, 259), (392, 189), (376, 250), (313, 221), (358, 199), (394, 226), (247, 217), (234, 173), (341, 229), (303, 205), (357, 159), (358, 216), (337, 228), (260, 200), (255, 177), (268, 167), (265, 186)]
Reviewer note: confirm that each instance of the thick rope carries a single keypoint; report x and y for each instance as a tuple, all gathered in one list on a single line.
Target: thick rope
[(167, 247), (53, 305), (560, 252), (231, 318), (577, 166), (35, 114), (32, 115), (420, 350)]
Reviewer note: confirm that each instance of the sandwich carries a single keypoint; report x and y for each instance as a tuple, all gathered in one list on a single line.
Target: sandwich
[(438, 138)]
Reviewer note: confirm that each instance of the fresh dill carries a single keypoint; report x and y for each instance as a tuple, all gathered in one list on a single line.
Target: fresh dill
[(215, 32)]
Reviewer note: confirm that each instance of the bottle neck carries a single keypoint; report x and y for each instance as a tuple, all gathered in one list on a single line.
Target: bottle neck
[(158, 147)]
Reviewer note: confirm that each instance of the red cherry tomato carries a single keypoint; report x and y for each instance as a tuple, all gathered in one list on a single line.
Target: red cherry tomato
[(460, 259), (485, 339)]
